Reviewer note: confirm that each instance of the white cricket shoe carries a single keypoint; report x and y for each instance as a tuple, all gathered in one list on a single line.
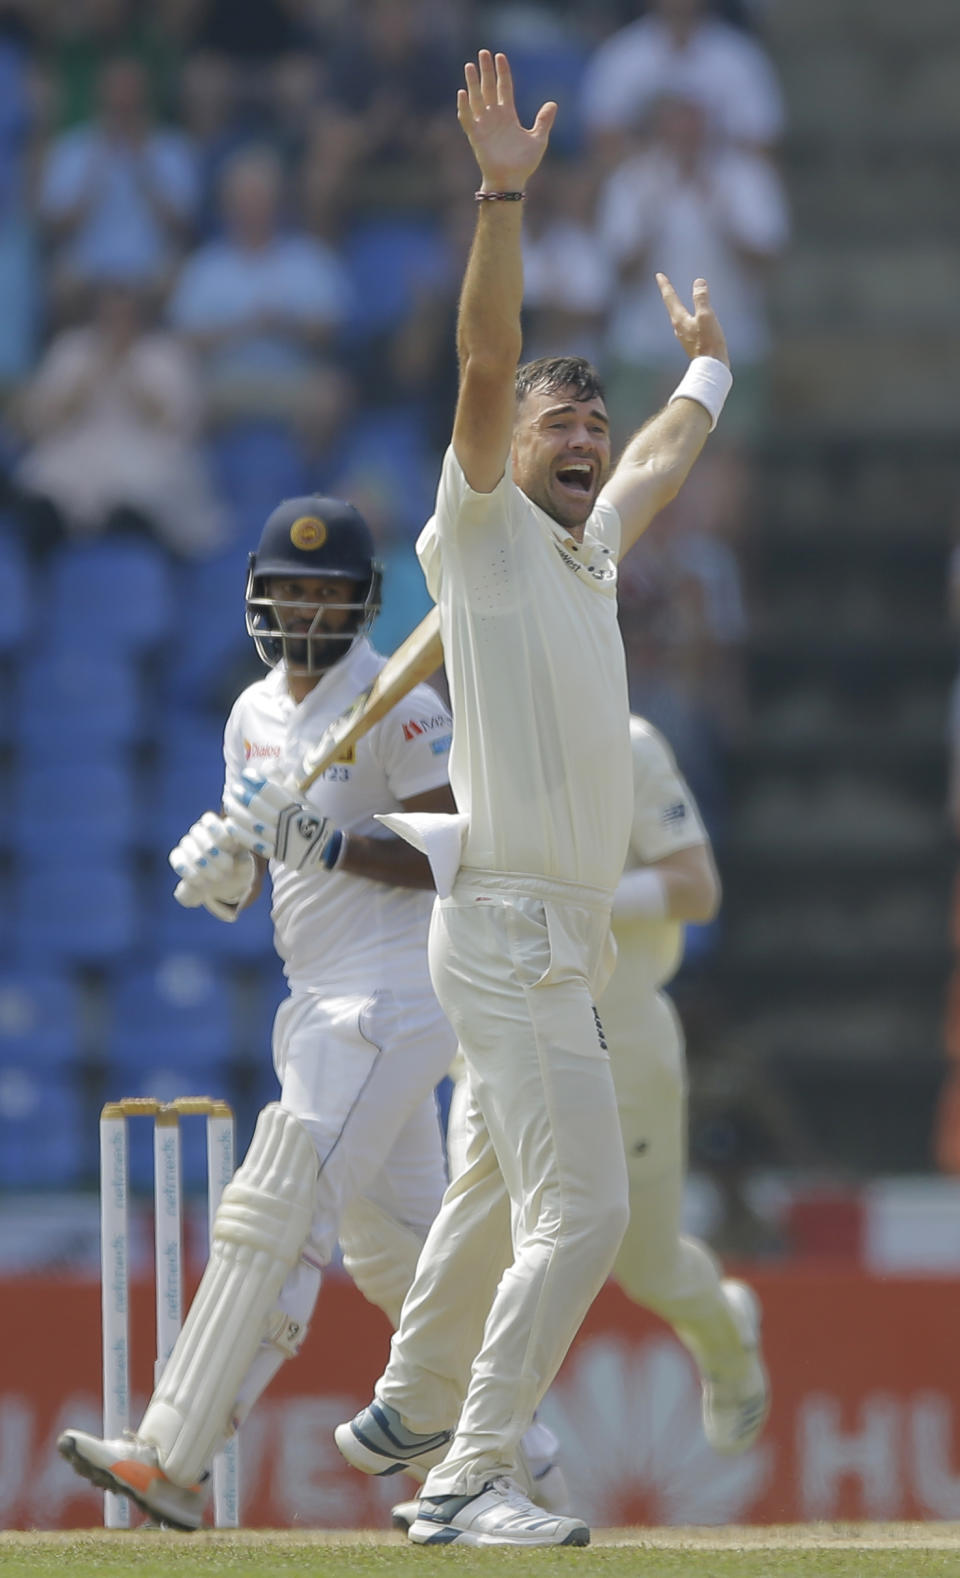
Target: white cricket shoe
[(499, 1514), (129, 1467), (550, 1489), (736, 1404), (376, 1441)]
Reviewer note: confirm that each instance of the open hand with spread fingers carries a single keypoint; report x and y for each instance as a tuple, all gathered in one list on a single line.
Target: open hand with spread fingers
[(699, 331), (506, 152), (264, 816), (214, 870)]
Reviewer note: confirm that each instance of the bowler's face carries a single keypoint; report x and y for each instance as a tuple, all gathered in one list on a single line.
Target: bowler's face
[(561, 454)]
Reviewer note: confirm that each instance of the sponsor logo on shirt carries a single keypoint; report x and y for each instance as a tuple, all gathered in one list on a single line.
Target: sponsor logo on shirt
[(605, 571), (425, 724), (255, 752), (673, 815), (441, 746)]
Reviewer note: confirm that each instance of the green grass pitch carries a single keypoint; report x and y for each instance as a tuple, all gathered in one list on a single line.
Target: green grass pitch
[(827, 1551)]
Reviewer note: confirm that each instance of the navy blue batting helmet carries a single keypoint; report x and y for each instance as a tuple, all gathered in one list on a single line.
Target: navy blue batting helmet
[(304, 538)]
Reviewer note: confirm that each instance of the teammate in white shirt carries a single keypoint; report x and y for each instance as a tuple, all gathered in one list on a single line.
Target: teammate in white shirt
[(354, 1147), (521, 558)]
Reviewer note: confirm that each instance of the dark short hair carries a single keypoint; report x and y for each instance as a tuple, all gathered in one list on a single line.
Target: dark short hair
[(558, 375)]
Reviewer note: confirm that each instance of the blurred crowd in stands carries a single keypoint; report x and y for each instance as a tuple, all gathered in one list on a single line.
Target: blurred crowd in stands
[(231, 237)]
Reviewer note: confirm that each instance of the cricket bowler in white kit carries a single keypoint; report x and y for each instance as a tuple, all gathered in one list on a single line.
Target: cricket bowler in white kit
[(669, 880), (353, 1147), (521, 557)]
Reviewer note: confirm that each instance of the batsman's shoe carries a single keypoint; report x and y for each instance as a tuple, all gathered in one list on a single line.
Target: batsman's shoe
[(378, 1442), (499, 1514), (550, 1489), (736, 1405), (129, 1467)]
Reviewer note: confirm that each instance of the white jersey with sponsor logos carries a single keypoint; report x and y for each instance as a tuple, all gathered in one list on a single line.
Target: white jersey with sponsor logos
[(541, 751), (665, 818), (334, 932)]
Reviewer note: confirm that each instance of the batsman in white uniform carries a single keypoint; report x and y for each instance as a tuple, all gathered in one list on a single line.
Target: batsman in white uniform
[(353, 1147), (521, 557)]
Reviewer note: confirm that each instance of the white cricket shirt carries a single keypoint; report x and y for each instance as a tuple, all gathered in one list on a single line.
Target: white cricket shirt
[(541, 748), (336, 932), (665, 818)]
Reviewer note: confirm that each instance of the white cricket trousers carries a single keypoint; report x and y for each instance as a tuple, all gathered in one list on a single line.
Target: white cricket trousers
[(359, 1073), (516, 964)]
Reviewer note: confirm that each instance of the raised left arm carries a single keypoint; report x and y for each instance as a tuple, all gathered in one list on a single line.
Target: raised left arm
[(658, 459)]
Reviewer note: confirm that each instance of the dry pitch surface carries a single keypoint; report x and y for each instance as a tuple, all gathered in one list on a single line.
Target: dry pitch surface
[(905, 1550)]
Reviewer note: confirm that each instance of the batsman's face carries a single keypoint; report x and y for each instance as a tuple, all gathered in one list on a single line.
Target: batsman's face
[(561, 454), (310, 607)]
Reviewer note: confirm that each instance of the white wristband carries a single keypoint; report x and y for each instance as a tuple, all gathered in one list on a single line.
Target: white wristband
[(708, 381), (640, 895)]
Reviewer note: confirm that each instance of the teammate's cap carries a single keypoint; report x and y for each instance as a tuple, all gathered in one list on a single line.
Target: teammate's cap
[(315, 536)]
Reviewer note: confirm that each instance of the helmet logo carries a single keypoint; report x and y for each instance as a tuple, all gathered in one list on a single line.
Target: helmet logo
[(307, 532)]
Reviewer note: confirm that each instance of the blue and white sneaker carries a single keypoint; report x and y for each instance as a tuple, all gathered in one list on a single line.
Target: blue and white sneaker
[(736, 1404), (377, 1441), (549, 1487), (499, 1514)]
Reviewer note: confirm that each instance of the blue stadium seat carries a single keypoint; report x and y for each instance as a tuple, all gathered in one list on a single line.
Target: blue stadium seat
[(550, 68), (45, 1142), (386, 449), (114, 595), (39, 1018), (174, 1015), (86, 911), (177, 794), (88, 809), (68, 698), (389, 260), (15, 596), (173, 929), (214, 637), (257, 464)]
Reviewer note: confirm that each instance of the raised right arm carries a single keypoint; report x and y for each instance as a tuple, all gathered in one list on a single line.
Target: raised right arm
[(488, 324)]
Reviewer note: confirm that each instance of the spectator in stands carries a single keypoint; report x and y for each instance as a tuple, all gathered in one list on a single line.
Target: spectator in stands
[(263, 306), (679, 48), (118, 194), (681, 205), (81, 36), (114, 413), (393, 76), (568, 281), (263, 54)]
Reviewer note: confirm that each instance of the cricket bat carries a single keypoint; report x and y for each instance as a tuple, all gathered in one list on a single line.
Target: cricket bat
[(414, 661)]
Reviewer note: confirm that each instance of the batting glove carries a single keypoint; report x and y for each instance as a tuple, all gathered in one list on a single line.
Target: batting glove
[(262, 815), (214, 870)]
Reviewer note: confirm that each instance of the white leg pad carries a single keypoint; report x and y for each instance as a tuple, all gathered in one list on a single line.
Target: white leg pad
[(261, 1226), (380, 1254)]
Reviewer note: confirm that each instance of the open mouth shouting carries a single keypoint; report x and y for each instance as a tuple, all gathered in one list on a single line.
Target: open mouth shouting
[(576, 478)]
